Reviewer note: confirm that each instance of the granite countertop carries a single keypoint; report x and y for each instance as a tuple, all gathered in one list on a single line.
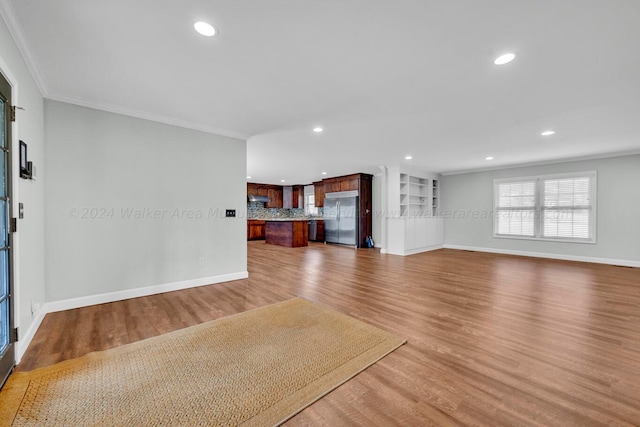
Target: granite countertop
[(285, 219)]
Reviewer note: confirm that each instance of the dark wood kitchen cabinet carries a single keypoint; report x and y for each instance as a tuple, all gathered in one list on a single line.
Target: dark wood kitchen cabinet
[(320, 232), (292, 233), (255, 229), (252, 189), (297, 199), (275, 197), (365, 192), (273, 192), (318, 191), (332, 185), (350, 184), (343, 183)]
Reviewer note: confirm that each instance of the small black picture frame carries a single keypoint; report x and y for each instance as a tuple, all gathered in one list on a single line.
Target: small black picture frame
[(24, 166)]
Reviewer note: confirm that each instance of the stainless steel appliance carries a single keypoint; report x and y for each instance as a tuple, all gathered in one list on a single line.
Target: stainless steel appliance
[(313, 230), (254, 198), (341, 218)]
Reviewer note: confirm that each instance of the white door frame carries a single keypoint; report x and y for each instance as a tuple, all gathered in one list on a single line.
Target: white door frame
[(15, 178)]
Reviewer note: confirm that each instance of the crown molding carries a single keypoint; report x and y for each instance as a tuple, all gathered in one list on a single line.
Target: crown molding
[(547, 162), (9, 16), (145, 115), (15, 28)]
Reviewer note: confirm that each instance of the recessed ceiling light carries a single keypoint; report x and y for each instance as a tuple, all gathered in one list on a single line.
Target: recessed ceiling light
[(248, 177), (408, 157), (548, 133), (505, 59), (205, 29), (318, 129), (489, 158), (324, 173), (282, 180)]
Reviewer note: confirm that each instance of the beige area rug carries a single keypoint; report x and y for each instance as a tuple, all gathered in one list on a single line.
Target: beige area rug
[(256, 368)]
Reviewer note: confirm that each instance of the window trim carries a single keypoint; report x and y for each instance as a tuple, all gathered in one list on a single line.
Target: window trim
[(538, 209)]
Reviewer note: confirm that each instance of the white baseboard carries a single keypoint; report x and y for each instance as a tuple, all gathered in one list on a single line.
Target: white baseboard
[(611, 261), (68, 304), (25, 340), (413, 251)]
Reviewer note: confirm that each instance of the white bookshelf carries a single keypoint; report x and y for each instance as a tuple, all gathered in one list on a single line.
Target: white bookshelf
[(413, 206), (435, 197), (414, 195)]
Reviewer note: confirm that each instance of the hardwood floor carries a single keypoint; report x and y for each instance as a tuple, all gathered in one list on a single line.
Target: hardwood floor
[(492, 339)]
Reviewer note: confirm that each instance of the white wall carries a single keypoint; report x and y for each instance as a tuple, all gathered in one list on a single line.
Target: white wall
[(467, 198), (103, 169), (29, 276)]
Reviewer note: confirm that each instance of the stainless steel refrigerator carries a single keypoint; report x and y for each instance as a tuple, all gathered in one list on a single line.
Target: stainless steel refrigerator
[(341, 218)]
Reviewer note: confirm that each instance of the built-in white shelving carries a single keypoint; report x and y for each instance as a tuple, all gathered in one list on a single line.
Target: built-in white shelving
[(413, 223), (435, 194), (414, 196)]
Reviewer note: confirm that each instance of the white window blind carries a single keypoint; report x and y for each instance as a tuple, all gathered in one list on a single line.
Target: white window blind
[(567, 208), (516, 208), (558, 207)]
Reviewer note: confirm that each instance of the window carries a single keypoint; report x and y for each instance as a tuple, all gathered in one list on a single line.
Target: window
[(516, 208), (566, 208), (310, 204), (555, 207)]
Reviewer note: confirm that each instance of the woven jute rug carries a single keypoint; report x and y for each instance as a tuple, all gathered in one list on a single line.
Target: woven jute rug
[(256, 368)]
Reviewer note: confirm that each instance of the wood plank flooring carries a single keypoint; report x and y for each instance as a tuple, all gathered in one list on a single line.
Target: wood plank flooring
[(493, 340)]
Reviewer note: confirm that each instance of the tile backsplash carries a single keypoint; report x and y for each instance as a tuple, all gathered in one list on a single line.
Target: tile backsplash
[(257, 210)]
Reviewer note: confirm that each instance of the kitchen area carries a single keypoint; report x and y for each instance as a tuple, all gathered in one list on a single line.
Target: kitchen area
[(334, 210)]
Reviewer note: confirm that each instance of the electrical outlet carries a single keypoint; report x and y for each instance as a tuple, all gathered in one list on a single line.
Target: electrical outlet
[(230, 213), (201, 260), (35, 308)]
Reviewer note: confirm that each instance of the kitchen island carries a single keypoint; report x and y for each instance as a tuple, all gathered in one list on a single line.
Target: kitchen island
[(290, 232)]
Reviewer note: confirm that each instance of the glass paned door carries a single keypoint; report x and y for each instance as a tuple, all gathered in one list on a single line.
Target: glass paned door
[(7, 355)]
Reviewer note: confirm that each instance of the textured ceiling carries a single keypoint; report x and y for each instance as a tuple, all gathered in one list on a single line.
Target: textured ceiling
[(384, 79)]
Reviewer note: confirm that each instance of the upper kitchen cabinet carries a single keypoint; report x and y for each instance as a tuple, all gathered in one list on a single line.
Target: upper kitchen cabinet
[(343, 183), (252, 189), (275, 197), (273, 192), (332, 185), (297, 197), (318, 192), (350, 183)]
